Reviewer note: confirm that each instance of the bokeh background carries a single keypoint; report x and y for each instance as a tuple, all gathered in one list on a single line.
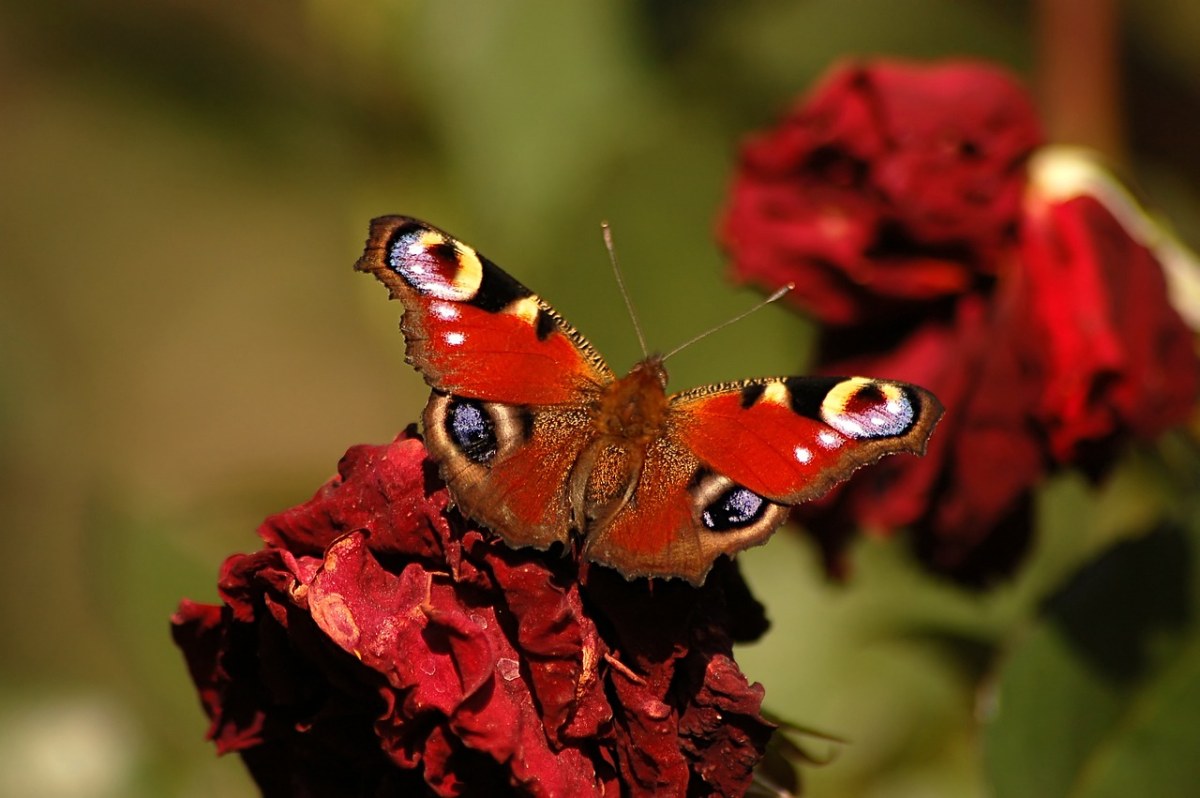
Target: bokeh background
[(184, 348)]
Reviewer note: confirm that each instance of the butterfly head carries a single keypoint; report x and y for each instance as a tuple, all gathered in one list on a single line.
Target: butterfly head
[(650, 370)]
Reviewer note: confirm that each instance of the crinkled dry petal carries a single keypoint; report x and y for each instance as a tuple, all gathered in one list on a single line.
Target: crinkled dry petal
[(278, 692), (563, 650), (961, 134), (201, 631), (449, 660), (390, 491), (721, 725), (665, 634), (652, 763)]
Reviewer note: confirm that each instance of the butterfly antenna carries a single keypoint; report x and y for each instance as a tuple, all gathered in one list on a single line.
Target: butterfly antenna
[(612, 257), (727, 322)]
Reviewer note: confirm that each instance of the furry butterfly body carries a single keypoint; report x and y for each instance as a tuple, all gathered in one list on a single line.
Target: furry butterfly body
[(539, 440)]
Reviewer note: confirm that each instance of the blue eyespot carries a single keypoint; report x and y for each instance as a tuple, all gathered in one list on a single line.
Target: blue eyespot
[(472, 430), (735, 508)]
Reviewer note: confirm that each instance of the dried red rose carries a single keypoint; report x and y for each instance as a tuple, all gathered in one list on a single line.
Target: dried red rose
[(1053, 346), (892, 185), (379, 643)]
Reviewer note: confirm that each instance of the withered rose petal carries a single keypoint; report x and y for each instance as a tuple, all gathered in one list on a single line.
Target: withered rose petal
[(664, 669), (652, 763), (240, 578), (995, 454), (961, 134), (279, 693), (1117, 357), (892, 186), (201, 631), (449, 658), (452, 769), (721, 725), (390, 491), (563, 650), (396, 625)]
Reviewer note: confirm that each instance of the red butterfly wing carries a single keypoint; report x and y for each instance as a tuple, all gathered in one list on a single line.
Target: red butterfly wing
[(509, 467), (792, 439), (512, 381), (735, 457), (662, 531), (472, 330)]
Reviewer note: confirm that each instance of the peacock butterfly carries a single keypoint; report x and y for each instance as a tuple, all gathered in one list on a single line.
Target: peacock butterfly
[(538, 439)]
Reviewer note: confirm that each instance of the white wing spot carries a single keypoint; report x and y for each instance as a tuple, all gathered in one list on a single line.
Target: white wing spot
[(830, 440), (803, 454), (454, 338), (444, 311)]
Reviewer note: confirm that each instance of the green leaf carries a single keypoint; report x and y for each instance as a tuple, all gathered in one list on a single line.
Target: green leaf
[(1102, 697)]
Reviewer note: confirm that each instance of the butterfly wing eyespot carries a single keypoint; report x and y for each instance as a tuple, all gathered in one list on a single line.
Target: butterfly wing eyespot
[(733, 509), (732, 515), (436, 265), (508, 466), (866, 409), (477, 430)]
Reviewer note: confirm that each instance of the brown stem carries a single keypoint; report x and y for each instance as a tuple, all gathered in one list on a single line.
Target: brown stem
[(1079, 73)]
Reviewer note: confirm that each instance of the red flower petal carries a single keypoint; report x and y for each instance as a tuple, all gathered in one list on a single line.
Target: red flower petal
[(395, 497), (1117, 356)]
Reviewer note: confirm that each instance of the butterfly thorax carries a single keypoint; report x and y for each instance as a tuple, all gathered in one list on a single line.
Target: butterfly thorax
[(629, 416), (633, 408)]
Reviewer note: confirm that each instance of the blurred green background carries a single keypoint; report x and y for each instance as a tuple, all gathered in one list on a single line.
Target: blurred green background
[(184, 348)]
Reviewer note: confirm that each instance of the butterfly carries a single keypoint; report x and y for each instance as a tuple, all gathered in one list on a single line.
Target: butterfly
[(540, 441)]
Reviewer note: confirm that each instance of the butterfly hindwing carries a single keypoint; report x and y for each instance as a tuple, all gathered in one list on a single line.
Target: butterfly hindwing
[(509, 466), (681, 517)]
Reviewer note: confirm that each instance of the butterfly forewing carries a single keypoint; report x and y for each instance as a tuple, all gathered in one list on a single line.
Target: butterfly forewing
[(790, 439), (471, 329)]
